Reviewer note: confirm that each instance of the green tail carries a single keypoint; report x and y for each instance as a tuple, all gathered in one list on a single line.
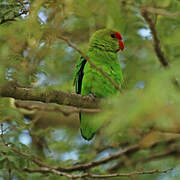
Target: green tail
[(88, 125)]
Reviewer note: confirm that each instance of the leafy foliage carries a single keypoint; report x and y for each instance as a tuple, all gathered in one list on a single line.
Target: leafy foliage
[(32, 55)]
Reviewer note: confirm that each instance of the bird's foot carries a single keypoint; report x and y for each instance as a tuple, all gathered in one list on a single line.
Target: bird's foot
[(91, 95)]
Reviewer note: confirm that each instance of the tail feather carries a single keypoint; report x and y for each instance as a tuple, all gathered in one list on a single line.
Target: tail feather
[(87, 126), (87, 136)]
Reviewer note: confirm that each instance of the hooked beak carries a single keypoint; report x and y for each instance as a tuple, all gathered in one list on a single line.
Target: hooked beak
[(121, 44)]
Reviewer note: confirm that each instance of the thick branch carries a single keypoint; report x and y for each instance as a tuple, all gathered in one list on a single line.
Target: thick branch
[(51, 96), (157, 45)]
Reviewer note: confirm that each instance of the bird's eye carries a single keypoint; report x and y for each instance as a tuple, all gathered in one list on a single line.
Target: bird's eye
[(112, 35)]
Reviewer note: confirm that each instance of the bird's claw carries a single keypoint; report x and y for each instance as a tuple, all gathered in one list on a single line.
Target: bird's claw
[(91, 95)]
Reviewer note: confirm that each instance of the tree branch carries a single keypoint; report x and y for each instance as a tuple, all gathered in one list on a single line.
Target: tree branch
[(15, 16), (91, 164), (48, 170), (154, 156), (36, 105), (157, 45), (79, 167), (91, 63), (50, 96), (51, 115), (162, 12), (43, 168)]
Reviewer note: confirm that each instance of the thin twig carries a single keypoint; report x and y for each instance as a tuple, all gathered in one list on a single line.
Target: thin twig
[(79, 167), (47, 170), (43, 168), (91, 63), (120, 164), (152, 10), (2, 134), (13, 19), (9, 174), (100, 161), (162, 12), (157, 45)]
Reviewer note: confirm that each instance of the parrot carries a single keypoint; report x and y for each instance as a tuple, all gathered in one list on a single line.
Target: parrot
[(104, 45)]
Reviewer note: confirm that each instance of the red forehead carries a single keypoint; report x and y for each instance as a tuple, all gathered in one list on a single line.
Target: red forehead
[(118, 36)]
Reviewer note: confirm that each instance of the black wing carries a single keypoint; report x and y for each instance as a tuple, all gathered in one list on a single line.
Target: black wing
[(79, 75)]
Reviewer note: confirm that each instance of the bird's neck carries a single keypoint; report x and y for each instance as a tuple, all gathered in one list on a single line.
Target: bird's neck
[(102, 56), (101, 46)]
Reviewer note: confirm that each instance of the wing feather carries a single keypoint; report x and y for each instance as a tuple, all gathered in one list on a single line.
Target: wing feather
[(79, 73)]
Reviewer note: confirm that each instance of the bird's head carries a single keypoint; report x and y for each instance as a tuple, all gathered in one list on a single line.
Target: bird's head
[(108, 40)]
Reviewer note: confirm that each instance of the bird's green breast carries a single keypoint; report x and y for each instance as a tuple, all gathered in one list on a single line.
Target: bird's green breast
[(93, 81)]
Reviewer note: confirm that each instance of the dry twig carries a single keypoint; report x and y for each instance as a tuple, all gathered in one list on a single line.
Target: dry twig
[(157, 44), (47, 170), (101, 161), (162, 12), (43, 168), (13, 19)]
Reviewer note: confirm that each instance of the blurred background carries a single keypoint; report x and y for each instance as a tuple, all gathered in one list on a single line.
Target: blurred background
[(146, 114)]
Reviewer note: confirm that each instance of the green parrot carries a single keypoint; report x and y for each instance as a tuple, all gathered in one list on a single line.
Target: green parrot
[(103, 47)]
